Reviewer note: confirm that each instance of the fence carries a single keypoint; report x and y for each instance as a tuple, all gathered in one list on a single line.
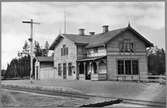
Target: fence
[(147, 78)]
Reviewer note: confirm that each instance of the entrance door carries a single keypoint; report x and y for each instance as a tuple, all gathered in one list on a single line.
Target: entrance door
[(36, 72), (64, 71)]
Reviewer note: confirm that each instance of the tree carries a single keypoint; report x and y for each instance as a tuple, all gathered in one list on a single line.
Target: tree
[(20, 67), (46, 49), (3, 72), (156, 61), (25, 47), (38, 50)]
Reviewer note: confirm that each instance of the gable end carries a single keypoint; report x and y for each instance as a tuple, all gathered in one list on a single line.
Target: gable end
[(138, 35)]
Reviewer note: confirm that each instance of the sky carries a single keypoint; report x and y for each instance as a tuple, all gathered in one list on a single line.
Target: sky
[(148, 18)]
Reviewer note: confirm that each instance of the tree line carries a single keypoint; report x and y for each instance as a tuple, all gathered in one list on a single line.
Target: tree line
[(20, 67), (156, 61)]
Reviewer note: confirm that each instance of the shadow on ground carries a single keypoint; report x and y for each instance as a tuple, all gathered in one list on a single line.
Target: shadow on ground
[(7, 100)]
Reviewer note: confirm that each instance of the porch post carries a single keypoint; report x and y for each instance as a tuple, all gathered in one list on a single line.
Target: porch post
[(97, 70), (97, 64), (84, 63), (78, 68), (90, 66)]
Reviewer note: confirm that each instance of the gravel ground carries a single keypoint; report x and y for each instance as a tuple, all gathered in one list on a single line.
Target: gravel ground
[(14, 98), (131, 90), (20, 99)]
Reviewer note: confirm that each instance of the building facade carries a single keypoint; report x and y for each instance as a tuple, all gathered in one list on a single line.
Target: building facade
[(105, 56), (44, 69)]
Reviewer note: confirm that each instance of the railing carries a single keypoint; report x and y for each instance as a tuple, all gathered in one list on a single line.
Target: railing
[(102, 76), (155, 78), (147, 78)]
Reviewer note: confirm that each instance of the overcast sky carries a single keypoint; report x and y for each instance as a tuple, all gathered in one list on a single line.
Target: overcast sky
[(147, 18)]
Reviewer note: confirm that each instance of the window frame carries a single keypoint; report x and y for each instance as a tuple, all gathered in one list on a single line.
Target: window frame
[(135, 72), (64, 50), (119, 68), (132, 70), (70, 69), (126, 45), (59, 69)]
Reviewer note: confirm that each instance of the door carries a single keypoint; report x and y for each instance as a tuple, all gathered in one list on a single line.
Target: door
[(36, 73), (88, 72), (64, 70)]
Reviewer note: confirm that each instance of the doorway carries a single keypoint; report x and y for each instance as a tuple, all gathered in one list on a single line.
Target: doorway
[(87, 72)]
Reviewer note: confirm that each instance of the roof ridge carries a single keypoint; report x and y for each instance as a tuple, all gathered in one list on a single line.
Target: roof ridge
[(97, 33)]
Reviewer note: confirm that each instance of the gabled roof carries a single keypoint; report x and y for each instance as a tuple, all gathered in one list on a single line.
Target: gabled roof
[(45, 59), (73, 37), (55, 42), (78, 39), (98, 39), (103, 38)]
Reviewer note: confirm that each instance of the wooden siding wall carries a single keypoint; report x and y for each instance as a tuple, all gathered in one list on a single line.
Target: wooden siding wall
[(113, 54), (47, 73), (112, 65), (71, 57), (113, 45), (42, 65), (81, 51)]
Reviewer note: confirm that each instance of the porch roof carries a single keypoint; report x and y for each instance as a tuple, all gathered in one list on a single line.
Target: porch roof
[(45, 59), (91, 58)]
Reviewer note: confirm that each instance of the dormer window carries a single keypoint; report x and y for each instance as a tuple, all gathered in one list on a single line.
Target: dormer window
[(126, 46)]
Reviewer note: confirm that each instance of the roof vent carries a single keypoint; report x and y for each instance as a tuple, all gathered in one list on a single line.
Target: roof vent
[(81, 32), (92, 33), (105, 28)]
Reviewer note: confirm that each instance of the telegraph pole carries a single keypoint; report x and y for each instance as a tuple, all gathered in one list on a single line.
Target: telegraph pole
[(65, 25), (31, 46)]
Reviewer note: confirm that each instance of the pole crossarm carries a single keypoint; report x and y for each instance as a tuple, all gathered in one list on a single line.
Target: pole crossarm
[(31, 21)]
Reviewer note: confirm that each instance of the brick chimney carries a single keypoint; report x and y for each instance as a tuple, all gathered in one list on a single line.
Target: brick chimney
[(105, 28), (92, 33), (81, 32)]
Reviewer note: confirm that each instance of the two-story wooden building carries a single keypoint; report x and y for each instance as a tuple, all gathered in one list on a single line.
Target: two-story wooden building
[(103, 56)]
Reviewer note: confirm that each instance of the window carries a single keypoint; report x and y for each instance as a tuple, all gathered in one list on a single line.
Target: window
[(120, 67), (64, 70), (64, 50), (135, 67), (59, 69), (69, 69), (128, 67), (126, 46)]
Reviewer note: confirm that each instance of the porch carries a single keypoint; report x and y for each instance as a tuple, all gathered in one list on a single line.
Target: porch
[(92, 68)]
